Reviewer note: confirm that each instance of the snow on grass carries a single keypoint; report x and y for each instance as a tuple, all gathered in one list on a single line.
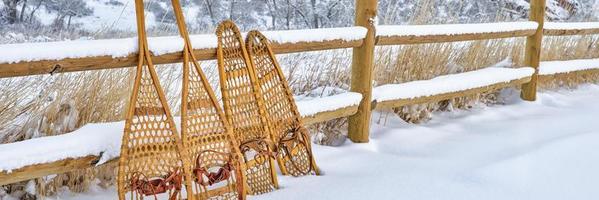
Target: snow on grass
[(558, 67), (571, 25), (450, 83), (453, 29), (27, 52), (105, 139), (523, 150)]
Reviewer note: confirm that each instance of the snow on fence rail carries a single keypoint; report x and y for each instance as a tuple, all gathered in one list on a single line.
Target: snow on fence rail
[(417, 34), (120, 48), (81, 55), (445, 87), (330, 107), (551, 68), (99, 143)]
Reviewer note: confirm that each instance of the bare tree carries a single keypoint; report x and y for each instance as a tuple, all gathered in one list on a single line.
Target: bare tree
[(210, 5), (67, 9), (10, 7), (23, 10), (314, 14), (32, 13), (272, 10)]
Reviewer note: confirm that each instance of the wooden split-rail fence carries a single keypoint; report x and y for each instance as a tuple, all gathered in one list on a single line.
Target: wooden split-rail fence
[(361, 79)]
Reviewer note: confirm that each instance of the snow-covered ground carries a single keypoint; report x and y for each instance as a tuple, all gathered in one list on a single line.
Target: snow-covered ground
[(523, 150)]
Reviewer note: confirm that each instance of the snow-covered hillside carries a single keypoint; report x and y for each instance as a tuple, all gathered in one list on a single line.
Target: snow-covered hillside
[(106, 14), (523, 150)]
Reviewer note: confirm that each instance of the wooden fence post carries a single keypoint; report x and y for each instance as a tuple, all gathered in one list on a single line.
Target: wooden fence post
[(362, 70), (534, 45)]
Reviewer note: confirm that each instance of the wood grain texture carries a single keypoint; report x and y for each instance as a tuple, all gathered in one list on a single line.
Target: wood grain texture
[(534, 45), (361, 71), (330, 115), (546, 78), (41, 170), (567, 32)]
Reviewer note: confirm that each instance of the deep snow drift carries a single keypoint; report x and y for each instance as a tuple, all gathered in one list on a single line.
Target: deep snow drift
[(523, 150)]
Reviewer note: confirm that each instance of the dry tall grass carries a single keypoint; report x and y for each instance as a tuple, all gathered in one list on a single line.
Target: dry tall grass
[(426, 61)]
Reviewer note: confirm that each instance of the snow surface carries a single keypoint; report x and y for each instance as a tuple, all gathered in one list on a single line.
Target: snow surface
[(571, 25), (110, 16), (105, 138), (558, 67), (453, 29), (27, 52), (24, 52), (520, 151), (450, 83), (317, 35)]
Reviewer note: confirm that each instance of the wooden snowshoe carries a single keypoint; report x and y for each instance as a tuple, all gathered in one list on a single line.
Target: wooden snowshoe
[(151, 150), (242, 109), (290, 136), (218, 171)]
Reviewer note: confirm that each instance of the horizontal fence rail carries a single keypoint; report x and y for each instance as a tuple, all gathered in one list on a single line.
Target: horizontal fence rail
[(109, 62), (565, 29), (205, 50), (51, 168), (449, 86)]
